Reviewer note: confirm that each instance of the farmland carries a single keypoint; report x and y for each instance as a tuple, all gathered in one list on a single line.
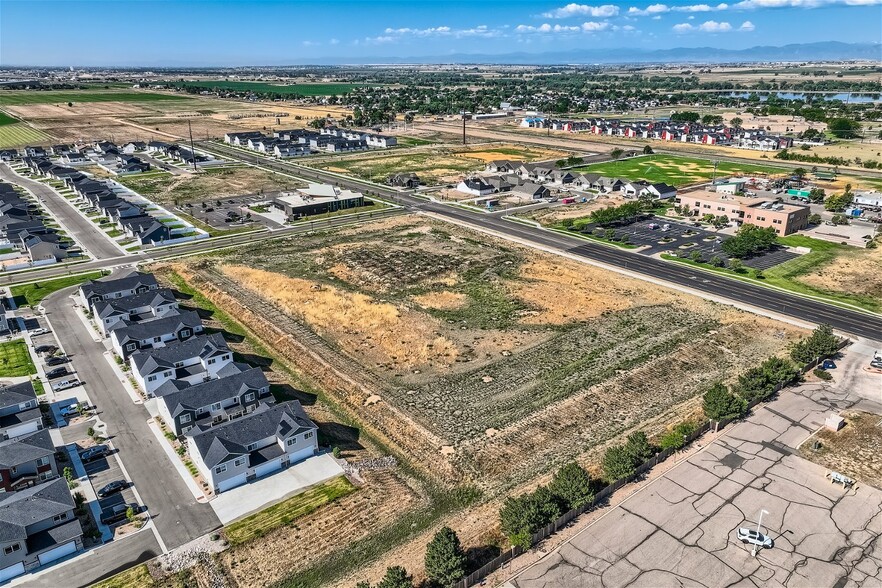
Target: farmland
[(20, 97), (307, 89), (676, 170), (20, 134), (443, 164), (478, 363), (5, 119)]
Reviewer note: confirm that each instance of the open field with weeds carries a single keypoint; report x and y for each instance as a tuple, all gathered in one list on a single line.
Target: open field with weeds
[(444, 164), (854, 450), (477, 363), (676, 170), (211, 183)]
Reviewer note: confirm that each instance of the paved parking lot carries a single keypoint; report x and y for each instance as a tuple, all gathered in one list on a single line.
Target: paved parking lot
[(101, 472), (215, 212)]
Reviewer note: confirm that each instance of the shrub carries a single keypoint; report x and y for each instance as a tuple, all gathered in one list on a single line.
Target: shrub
[(821, 343), (638, 447), (522, 516), (90, 432), (170, 436), (823, 374), (695, 256), (720, 403), (396, 577), (736, 266), (760, 382), (336, 452), (676, 437), (716, 261), (445, 559), (572, 486), (617, 463), (68, 473)]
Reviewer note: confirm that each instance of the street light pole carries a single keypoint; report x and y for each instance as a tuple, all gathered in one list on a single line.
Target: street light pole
[(758, 524)]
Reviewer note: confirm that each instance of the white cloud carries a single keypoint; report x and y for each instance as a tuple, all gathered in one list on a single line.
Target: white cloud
[(710, 26), (658, 17), (663, 8), (443, 31), (628, 28), (682, 28), (747, 26), (381, 40), (690, 17), (334, 41), (545, 28), (651, 9), (309, 43), (573, 9), (747, 5)]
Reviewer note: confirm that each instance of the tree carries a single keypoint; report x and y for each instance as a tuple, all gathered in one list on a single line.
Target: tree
[(617, 463), (711, 119), (721, 221), (70, 104), (821, 343), (799, 173), (814, 219), (750, 240), (318, 123), (445, 559), (816, 195), (844, 128), (617, 153), (760, 382), (720, 403), (736, 122), (522, 516), (647, 150), (396, 577), (572, 486), (686, 116), (676, 437), (638, 447), (695, 256)]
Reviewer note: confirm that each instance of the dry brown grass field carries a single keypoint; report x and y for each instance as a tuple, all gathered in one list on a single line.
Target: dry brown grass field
[(854, 450)]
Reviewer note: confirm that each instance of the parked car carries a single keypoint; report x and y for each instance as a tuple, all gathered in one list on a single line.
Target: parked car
[(70, 409), (94, 453), (653, 226), (828, 364), (57, 373), (115, 513), (112, 488), (40, 331), (57, 360), (66, 384), (754, 538), (46, 349)]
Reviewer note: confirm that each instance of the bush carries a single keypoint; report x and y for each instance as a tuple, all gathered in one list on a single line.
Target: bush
[(522, 516), (638, 447), (336, 452), (445, 559), (736, 266), (90, 432), (720, 403), (821, 343), (822, 374), (716, 261), (617, 463), (695, 256), (760, 382), (572, 486), (676, 437)]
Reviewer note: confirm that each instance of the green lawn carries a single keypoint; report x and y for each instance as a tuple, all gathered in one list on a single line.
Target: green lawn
[(32, 294), (414, 141), (15, 360), (287, 511), (39, 389), (5, 119), (136, 577), (19, 134), (284, 90), (674, 169), (18, 97)]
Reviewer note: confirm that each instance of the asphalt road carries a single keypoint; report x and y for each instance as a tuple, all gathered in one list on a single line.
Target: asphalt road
[(82, 230), (98, 564), (176, 514), (800, 308)]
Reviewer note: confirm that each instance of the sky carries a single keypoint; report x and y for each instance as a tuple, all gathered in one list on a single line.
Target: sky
[(278, 32)]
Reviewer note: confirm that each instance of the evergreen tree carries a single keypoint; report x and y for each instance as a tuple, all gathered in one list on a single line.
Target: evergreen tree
[(572, 486), (445, 559)]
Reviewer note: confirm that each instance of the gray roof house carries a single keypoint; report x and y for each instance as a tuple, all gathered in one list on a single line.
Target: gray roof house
[(269, 438), (199, 359), (19, 412), (126, 337), (661, 190), (27, 460), (183, 406), (531, 191), (475, 187), (37, 526), (136, 307), (116, 287)]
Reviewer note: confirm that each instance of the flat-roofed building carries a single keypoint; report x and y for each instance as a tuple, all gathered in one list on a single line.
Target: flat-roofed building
[(784, 218), (317, 199)]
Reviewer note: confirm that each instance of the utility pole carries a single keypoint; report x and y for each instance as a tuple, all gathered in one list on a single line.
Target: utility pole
[(760, 522), (192, 146), (463, 128), (714, 179)]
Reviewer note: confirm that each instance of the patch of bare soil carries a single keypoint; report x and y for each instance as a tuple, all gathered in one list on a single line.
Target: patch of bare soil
[(855, 450), (858, 272), (443, 300)]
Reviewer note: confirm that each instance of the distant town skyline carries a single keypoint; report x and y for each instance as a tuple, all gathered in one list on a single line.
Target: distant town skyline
[(276, 32)]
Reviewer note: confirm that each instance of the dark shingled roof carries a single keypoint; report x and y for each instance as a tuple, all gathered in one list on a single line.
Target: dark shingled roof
[(15, 394), (206, 393), (151, 360), (127, 304), (25, 449), (129, 331), (31, 505), (111, 285)]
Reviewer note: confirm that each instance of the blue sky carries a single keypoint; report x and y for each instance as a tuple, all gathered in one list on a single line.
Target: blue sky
[(274, 32)]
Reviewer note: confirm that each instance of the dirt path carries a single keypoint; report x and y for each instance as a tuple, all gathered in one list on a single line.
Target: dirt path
[(146, 129)]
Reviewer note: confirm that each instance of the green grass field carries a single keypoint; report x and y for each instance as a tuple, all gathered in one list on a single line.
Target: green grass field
[(20, 97), (5, 119), (32, 294), (136, 577), (675, 170), (19, 134), (15, 360), (286, 511), (288, 90)]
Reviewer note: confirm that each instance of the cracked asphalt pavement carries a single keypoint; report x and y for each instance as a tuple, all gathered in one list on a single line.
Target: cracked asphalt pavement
[(681, 529)]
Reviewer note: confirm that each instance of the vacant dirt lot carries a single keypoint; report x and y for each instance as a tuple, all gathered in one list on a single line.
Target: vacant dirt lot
[(855, 450), (858, 271), (209, 184)]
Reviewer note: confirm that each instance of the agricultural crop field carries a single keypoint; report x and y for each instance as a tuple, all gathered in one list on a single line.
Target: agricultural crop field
[(677, 170), (437, 165), (307, 89), (20, 135), (5, 119), (222, 182), (19, 97), (483, 364)]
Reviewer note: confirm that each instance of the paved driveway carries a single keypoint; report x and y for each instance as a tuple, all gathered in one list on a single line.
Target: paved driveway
[(680, 530)]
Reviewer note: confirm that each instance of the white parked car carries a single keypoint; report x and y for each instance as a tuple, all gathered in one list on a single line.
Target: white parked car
[(755, 538), (40, 331)]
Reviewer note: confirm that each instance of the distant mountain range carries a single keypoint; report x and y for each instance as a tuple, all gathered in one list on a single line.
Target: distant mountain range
[(820, 51)]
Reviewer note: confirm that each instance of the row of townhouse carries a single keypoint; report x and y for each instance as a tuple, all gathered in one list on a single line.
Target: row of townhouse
[(684, 132), (38, 524), (23, 228), (129, 218), (233, 429), (297, 142), (176, 152)]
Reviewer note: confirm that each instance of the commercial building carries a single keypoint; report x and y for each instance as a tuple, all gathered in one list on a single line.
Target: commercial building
[(784, 218), (317, 199)]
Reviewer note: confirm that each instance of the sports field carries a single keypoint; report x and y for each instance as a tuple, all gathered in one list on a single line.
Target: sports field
[(5, 119), (19, 134), (289, 89), (676, 170), (18, 97)]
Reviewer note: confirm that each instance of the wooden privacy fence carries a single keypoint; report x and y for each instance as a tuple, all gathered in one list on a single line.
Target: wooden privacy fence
[(600, 497)]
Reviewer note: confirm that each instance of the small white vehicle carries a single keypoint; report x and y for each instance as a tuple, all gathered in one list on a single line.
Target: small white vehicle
[(754, 538), (71, 409), (65, 385), (666, 227), (40, 331)]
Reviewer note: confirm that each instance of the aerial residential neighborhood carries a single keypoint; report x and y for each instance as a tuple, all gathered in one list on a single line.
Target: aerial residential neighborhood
[(440, 295)]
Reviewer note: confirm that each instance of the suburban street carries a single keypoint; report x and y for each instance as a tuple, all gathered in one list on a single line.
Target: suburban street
[(681, 529), (171, 505), (83, 230)]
